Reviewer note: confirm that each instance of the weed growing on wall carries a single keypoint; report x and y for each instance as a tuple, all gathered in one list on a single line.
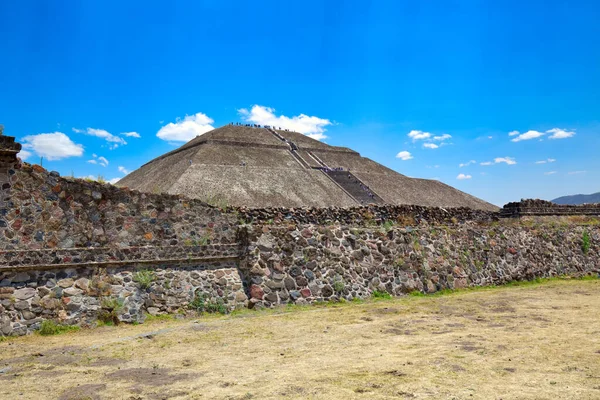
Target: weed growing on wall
[(586, 242), (339, 286), (217, 201), (111, 308), (144, 278), (202, 303)]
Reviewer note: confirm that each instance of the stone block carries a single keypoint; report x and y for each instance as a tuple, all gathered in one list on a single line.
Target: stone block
[(24, 294)]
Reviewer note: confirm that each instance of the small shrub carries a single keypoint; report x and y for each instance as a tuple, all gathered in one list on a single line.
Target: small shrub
[(387, 226), (111, 308), (144, 278), (378, 294), (205, 239), (100, 286), (203, 304), (339, 286), (50, 328), (586, 242)]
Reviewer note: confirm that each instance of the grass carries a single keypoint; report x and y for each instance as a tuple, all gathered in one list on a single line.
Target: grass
[(159, 318), (144, 278), (377, 294), (586, 242), (533, 282), (504, 342), (51, 328)]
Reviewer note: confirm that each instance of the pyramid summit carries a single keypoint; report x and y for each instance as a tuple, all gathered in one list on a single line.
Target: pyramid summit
[(244, 165)]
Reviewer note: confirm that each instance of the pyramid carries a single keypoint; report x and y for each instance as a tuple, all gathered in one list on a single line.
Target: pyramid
[(263, 167)]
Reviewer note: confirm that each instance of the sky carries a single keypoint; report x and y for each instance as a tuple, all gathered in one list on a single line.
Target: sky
[(498, 99)]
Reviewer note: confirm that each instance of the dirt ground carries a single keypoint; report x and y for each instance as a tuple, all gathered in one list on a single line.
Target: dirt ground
[(533, 342)]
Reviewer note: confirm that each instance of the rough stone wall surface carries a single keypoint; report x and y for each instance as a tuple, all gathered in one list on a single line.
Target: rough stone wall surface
[(79, 296), (364, 215), (309, 263), (41, 210), (542, 207)]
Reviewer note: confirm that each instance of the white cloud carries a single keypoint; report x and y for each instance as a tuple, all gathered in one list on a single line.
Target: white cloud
[(462, 177), (429, 138), (101, 133), (404, 155), (558, 133), (577, 172), (313, 127), (114, 180), (316, 136), (98, 160), (507, 160), (52, 146), (499, 160), (467, 163), (186, 129), (24, 154), (550, 173), (443, 137), (419, 135), (123, 170), (527, 135), (549, 160), (131, 134)]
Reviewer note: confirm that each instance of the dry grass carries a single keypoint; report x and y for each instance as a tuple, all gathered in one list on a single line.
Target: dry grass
[(534, 342)]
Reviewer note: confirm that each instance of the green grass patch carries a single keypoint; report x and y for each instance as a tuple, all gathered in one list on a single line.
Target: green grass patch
[(533, 282), (159, 317), (378, 294), (51, 328)]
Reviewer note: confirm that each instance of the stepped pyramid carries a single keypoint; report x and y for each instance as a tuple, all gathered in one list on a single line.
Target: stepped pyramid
[(264, 167)]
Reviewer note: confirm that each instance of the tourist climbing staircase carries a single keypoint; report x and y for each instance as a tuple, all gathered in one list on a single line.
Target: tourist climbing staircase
[(293, 149), (354, 187)]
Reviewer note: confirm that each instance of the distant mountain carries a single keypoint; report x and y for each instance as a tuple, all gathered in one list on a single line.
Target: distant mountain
[(578, 199)]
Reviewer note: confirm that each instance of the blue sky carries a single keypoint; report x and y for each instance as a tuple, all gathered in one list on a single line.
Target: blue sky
[(80, 81)]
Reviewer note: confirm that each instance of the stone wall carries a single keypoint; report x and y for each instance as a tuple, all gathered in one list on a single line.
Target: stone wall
[(309, 263), (533, 207), (41, 210), (363, 215), (80, 296)]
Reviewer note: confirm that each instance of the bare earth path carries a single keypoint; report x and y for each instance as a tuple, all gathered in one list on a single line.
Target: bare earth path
[(533, 342)]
